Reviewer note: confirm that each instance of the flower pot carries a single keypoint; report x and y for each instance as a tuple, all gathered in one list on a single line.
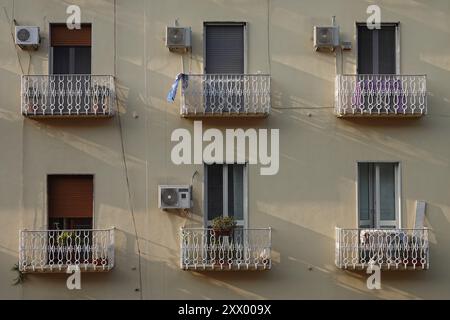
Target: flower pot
[(222, 232)]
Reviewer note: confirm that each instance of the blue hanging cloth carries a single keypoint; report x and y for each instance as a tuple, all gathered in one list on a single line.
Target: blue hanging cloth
[(173, 90)]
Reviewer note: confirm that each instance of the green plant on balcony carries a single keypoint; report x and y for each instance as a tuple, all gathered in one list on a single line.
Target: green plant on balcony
[(20, 275), (63, 238), (223, 226)]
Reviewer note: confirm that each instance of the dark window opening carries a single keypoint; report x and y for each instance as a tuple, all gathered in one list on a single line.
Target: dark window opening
[(377, 50)]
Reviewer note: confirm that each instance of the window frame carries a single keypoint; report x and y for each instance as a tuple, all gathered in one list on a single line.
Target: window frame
[(397, 43), (398, 193), (206, 221)]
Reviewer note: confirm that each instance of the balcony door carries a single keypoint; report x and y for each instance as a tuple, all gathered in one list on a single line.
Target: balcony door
[(226, 193), (378, 195), (378, 54), (70, 208), (70, 50), (224, 65), (70, 63), (378, 49)]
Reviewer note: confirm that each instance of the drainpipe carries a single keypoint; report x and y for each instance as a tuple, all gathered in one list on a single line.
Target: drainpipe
[(338, 52)]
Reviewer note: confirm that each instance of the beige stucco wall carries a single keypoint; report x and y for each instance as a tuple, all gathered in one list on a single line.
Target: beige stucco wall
[(313, 192)]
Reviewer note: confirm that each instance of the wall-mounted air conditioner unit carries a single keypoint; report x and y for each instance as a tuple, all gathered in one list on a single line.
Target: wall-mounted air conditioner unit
[(27, 38), (326, 38), (178, 39), (174, 197)]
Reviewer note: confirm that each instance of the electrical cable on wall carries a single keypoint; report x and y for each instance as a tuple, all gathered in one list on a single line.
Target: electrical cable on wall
[(269, 55), (190, 61), (12, 24), (270, 64), (182, 63), (130, 202)]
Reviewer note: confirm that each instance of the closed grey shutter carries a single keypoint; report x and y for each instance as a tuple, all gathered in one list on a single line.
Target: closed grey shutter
[(61, 60), (236, 191), (387, 192), (377, 50), (386, 50), (224, 46), (214, 190), (365, 50), (82, 61), (366, 195)]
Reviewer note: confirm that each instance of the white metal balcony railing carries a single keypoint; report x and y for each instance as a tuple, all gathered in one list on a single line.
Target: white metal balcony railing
[(55, 250), (75, 95), (386, 248), (225, 95), (380, 95), (245, 249)]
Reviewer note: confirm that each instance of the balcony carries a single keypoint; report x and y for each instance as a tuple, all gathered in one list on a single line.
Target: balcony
[(380, 95), (225, 95), (74, 95), (245, 249), (405, 249), (56, 250)]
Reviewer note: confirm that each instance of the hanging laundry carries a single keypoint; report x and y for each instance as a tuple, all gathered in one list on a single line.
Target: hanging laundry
[(173, 90)]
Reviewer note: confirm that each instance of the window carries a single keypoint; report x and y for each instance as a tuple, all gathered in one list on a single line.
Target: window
[(377, 49), (70, 49), (226, 193), (378, 195), (70, 201)]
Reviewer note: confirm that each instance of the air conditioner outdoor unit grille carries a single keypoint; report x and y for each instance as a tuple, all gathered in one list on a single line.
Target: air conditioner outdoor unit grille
[(174, 197), (178, 38), (326, 37), (27, 37)]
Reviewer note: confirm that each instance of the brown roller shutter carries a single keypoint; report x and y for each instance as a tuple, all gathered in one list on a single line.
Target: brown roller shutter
[(70, 196), (60, 35)]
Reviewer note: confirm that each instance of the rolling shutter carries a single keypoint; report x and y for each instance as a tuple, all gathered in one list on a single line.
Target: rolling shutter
[(224, 45), (214, 189), (70, 196), (60, 35), (386, 50)]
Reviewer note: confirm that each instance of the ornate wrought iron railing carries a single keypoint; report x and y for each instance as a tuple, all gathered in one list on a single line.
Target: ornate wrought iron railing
[(243, 249), (380, 95), (74, 95), (56, 250), (225, 95), (386, 248)]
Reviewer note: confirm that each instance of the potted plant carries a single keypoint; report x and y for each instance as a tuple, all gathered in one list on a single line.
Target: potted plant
[(65, 242), (223, 226), (63, 238)]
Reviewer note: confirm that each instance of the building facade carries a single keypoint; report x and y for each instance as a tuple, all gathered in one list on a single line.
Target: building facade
[(89, 140)]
